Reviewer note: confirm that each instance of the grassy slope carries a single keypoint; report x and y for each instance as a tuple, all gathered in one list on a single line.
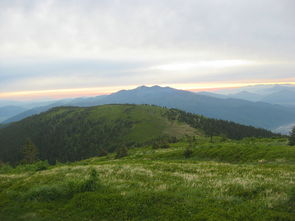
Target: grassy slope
[(160, 185), (74, 133), (150, 122)]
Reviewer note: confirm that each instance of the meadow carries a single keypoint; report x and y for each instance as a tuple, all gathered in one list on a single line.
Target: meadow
[(250, 179)]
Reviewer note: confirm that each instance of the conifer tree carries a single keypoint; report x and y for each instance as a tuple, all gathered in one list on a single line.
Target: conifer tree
[(30, 152)]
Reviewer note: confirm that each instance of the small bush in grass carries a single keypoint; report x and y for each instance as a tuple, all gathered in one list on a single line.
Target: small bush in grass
[(102, 152), (63, 190), (47, 192), (187, 152), (90, 184), (121, 152), (5, 168), (155, 145), (37, 166), (160, 145), (41, 165), (164, 146)]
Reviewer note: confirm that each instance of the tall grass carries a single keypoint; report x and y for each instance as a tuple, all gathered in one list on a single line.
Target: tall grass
[(159, 184)]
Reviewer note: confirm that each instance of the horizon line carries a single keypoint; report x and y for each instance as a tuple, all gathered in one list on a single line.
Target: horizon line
[(97, 91)]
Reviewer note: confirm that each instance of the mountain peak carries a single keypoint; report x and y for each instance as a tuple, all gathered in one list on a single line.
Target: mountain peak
[(154, 87), (145, 87)]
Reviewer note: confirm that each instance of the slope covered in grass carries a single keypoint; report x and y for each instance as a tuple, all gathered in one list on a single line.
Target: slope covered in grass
[(157, 184), (75, 133)]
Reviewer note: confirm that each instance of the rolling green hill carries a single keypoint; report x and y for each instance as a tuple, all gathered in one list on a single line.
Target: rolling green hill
[(75, 133)]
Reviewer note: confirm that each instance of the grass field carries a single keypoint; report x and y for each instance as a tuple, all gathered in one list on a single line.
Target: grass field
[(252, 179)]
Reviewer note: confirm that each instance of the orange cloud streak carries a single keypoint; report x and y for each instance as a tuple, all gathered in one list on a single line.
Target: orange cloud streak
[(79, 92)]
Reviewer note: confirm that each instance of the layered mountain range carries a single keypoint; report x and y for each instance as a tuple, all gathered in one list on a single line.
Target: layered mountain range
[(240, 107)]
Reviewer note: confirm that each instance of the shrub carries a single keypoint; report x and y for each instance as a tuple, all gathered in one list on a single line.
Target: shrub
[(47, 192), (162, 145), (121, 152), (37, 166), (187, 152), (102, 152), (90, 184), (41, 165), (155, 145), (63, 190), (5, 168)]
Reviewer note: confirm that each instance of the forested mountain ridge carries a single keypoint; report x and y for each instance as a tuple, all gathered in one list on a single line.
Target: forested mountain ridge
[(74, 133)]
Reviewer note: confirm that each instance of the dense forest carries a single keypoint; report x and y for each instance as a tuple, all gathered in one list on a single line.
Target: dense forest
[(75, 133), (215, 127)]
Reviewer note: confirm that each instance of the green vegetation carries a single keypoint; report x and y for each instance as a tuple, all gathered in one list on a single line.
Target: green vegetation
[(248, 179), (122, 152), (292, 137), (74, 133), (30, 152), (142, 162)]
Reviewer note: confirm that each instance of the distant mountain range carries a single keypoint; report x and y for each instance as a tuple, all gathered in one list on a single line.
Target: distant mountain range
[(219, 106), (273, 94), (9, 111)]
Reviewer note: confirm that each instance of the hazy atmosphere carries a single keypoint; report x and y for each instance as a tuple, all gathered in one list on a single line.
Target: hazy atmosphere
[(54, 49), (129, 110)]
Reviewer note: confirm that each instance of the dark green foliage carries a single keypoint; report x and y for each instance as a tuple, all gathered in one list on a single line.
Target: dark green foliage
[(292, 137), (291, 194), (22, 168), (241, 191), (163, 142), (102, 152), (214, 127), (90, 184), (160, 144), (47, 193), (188, 152), (164, 145), (74, 133), (29, 152), (5, 168), (156, 145), (121, 152), (64, 190), (41, 165)]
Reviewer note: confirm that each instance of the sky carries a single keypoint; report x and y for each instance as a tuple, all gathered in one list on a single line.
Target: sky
[(69, 48)]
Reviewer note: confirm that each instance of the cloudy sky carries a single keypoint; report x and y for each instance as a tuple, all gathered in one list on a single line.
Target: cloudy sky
[(54, 48)]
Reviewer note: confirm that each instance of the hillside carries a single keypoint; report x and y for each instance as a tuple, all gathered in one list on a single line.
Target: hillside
[(258, 114), (250, 179), (74, 133)]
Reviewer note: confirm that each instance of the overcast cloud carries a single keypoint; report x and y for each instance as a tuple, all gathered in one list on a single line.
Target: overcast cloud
[(53, 44)]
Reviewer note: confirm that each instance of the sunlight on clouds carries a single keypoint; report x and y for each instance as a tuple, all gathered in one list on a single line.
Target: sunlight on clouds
[(95, 91)]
